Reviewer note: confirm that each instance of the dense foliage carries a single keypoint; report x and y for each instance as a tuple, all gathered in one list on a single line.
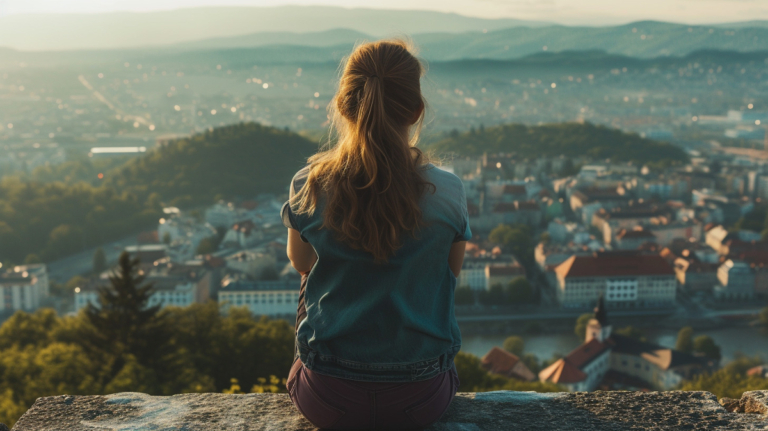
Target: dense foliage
[(730, 381), (568, 139), (126, 346), (515, 239), (755, 220), (52, 219)]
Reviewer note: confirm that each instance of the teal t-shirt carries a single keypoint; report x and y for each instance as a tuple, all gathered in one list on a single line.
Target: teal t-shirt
[(388, 321)]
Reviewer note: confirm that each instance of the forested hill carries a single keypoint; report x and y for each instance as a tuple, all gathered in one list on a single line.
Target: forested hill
[(568, 139), (53, 219), (239, 160)]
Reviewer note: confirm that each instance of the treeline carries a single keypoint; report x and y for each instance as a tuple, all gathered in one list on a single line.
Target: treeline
[(566, 139), (124, 345), (44, 219), (755, 220)]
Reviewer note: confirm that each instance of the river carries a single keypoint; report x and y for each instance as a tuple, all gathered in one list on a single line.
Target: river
[(747, 340)]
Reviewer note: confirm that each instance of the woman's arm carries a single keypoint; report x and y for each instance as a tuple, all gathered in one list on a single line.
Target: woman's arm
[(301, 254), (456, 257)]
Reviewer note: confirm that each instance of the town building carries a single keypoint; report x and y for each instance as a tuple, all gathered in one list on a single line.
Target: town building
[(173, 284), (255, 263), (266, 298), (20, 290), (243, 234), (736, 280), (604, 352), (695, 275), (627, 279)]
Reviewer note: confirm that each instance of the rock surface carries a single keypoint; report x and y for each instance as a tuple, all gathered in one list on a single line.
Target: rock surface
[(469, 412), (730, 404)]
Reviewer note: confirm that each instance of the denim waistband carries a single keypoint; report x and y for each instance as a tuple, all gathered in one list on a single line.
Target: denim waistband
[(379, 372)]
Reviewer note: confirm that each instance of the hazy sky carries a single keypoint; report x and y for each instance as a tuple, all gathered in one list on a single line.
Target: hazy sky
[(563, 11)]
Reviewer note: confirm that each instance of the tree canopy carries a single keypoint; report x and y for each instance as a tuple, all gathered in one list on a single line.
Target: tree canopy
[(566, 139)]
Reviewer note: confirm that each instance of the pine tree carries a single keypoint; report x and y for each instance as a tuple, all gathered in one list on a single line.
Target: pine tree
[(124, 321), (99, 261)]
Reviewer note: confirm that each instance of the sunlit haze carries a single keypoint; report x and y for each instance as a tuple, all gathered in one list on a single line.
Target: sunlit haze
[(587, 12)]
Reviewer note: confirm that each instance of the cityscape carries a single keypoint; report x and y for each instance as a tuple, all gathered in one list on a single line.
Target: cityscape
[(617, 196)]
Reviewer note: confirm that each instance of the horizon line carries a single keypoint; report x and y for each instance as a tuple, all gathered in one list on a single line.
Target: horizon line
[(544, 22)]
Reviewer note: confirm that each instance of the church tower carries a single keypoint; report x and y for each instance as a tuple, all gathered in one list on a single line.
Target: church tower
[(598, 326)]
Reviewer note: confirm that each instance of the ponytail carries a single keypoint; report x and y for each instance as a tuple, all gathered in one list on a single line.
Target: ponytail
[(371, 177)]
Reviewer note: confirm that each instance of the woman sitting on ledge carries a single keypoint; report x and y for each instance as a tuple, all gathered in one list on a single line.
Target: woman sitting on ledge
[(378, 234)]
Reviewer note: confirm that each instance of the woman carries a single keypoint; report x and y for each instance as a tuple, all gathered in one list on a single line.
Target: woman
[(379, 235)]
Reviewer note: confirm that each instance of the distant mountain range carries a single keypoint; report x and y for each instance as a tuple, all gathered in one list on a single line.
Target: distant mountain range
[(441, 36), (645, 39), (39, 32)]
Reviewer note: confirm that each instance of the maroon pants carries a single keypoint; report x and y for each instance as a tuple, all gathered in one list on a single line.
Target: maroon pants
[(342, 404)]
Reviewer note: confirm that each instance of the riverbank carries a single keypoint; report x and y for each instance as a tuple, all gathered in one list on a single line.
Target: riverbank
[(734, 339)]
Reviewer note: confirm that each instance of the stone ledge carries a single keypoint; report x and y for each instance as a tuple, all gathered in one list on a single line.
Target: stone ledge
[(502, 410)]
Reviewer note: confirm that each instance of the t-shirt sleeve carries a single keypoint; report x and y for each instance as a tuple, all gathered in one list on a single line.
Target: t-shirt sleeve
[(464, 233), (286, 213)]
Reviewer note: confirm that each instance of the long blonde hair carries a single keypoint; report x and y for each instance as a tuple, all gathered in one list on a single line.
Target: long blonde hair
[(371, 179)]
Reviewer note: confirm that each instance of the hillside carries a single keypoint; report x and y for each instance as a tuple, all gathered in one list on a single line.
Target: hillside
[(568, 139), (239, 160), (54, 219)]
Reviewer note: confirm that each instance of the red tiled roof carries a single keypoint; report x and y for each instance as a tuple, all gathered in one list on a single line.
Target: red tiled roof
[(584, 354), (615, 264), (249, 205), (499, 361), (562, 371), (499, 270), (635, 234)]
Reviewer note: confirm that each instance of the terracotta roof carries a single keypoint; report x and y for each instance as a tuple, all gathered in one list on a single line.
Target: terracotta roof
[(499, 361), (568, 369), (635, 234), (584, 354), (615, 264), (498, 270), (249, 205), (562, 372)]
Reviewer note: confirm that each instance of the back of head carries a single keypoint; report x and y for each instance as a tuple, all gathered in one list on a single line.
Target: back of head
[(371, 180)]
